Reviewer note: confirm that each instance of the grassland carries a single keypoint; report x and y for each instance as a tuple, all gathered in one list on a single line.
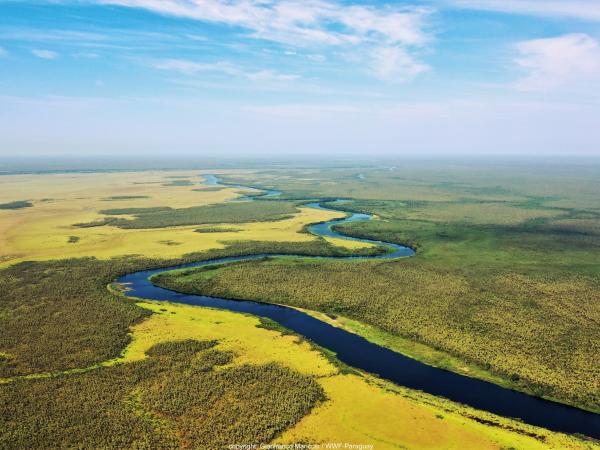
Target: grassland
[(63, 200), (155, 396), (502, 280), (97, 370), (457, 315), (358, 408)]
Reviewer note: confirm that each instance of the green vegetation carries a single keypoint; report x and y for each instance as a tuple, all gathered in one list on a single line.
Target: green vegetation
[(573, 185), (504, 278), (125, 197), (209, 189), (20, 204), (217, 230), (175, 398), (74, 321), (134, 211), (160, 217), (71, 319), (317, 247), (540, 334), (179, 183), (170, 242)]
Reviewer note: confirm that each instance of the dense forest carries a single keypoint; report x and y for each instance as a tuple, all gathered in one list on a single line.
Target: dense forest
[(19, 204), (159, 217), (173, 399)]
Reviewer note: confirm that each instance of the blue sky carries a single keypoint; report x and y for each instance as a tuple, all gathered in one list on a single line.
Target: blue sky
[(322, 77)]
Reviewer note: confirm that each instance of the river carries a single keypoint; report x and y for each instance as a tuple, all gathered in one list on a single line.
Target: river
[(357, 352)]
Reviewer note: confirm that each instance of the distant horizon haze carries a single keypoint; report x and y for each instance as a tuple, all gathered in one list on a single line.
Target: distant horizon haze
[(400, 164)]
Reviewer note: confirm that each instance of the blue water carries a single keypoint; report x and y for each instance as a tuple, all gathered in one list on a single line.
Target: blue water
[(362, 354), (212, 180), (267, 194), (326, 229)]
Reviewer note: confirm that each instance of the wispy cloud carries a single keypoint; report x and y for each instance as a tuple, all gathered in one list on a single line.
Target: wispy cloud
[(370, 31), (553, 62), (187, 67), (96, 38), (44, 54), (270, 75), (588, 10), (3, 52), (191, 68), (86, 55), (300, 22), (395, 64)]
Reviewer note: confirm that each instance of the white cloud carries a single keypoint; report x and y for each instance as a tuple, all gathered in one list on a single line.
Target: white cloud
[(553, 62), (371, 32), (197, 37), (3, 52), (270, 75), (44, 54), (395, 64), (187, 67), (316, 57), (86, 55), (191, 68), (579, 9), (304, 22)]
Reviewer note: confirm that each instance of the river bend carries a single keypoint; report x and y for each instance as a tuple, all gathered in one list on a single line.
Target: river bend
[(357, 352)]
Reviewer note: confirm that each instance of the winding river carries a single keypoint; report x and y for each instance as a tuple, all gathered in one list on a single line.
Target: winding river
[(362, 354)]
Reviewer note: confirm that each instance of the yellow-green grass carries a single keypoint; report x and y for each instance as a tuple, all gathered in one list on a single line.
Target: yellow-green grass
[(546, 348), (561, 185), (367, 411), (480, 213), (238, 333), (48, 238), (343, 184), (360, 409), (46, 231), (417, 350), (409, 347)]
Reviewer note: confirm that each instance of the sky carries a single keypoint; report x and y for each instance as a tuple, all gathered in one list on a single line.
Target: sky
[(212, 78)]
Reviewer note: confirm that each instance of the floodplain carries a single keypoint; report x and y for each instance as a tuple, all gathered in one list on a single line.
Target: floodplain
[(502, 288)]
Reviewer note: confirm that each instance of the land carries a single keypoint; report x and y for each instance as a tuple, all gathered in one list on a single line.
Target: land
[(18, 204), (504, 283), (504, 278)]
